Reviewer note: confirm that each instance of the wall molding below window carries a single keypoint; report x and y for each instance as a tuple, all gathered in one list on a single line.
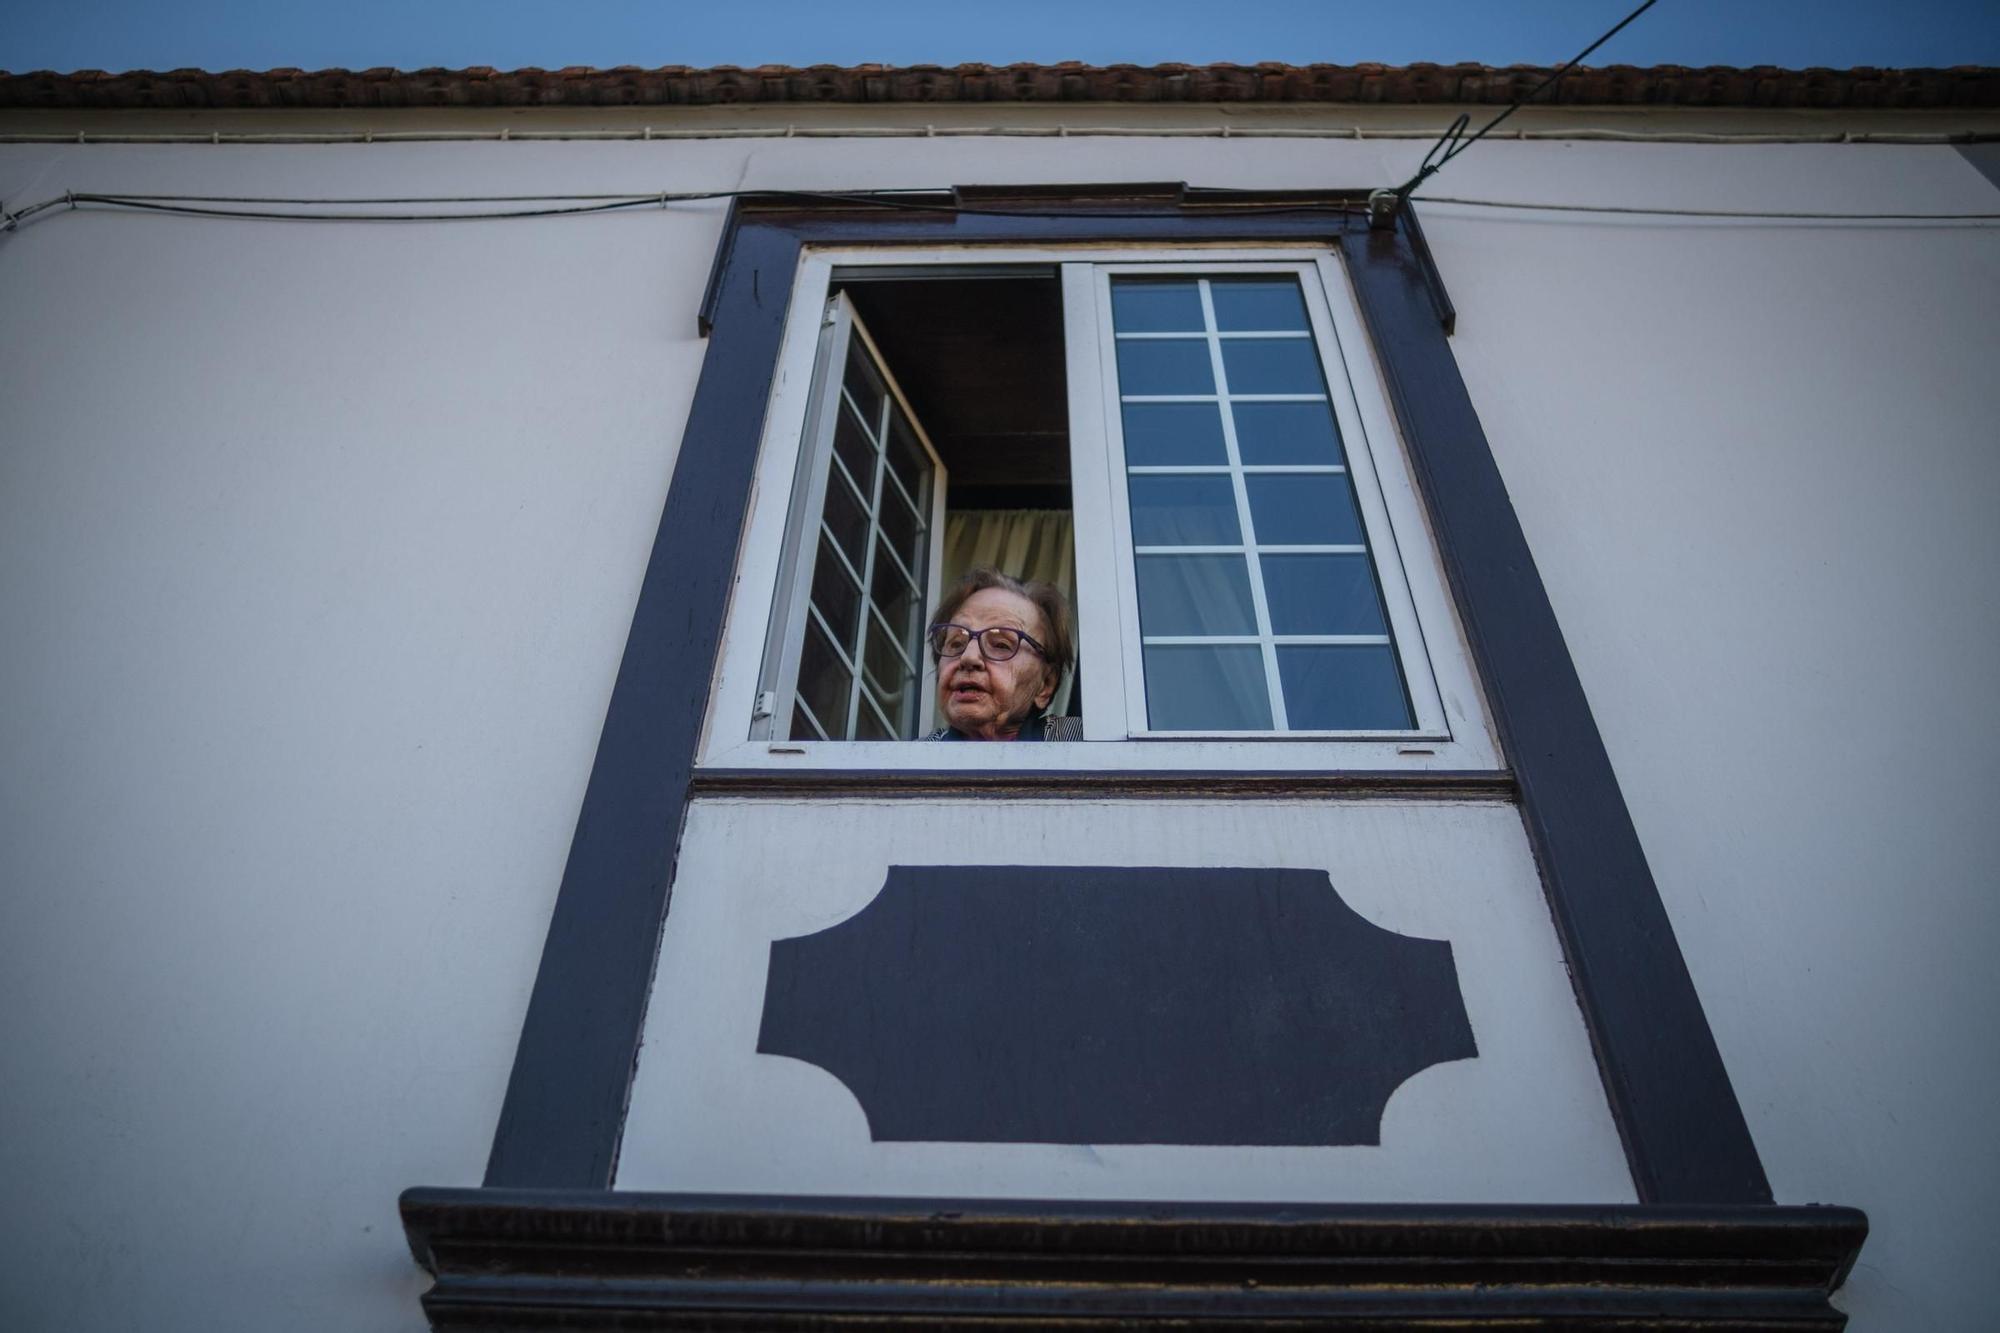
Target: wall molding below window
[(586, 1260)]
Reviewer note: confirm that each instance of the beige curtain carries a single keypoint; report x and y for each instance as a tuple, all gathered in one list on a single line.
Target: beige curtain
[(1027, 543)]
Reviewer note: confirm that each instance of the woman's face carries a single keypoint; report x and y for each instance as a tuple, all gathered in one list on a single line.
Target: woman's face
[(988, 700)]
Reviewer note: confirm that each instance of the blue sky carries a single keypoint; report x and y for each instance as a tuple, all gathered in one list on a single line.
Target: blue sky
[(263, 34)]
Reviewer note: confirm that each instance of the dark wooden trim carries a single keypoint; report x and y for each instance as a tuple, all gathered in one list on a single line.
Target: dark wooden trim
[(1447, 313), (711, 292), (536, 1259), (1061, 784), (1684, 1133), (565, 1107)]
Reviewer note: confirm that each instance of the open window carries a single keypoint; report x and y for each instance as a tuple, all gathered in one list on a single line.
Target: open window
[(862, 552), (1187, 443)]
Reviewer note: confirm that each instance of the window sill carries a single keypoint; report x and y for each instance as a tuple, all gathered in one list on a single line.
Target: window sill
[(1042, 781), (1303, 757)]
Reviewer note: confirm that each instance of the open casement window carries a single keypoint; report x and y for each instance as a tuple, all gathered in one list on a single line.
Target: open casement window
[(863, 559), (1250, 562)]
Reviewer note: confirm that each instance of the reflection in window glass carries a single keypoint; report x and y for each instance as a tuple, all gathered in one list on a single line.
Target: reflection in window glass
[(1271, 365), (1157, 305), (1164, 366), (1194, 595), (1310, 509), (1258, 305), (1275, 434), (1285, 630), (1195, 510), (1199, 687), (1176, 434), (1331, 687), (1322, 594)]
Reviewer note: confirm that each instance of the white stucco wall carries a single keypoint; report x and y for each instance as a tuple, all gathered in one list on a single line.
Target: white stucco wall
[(1758, 467), (318, 544), (317, 549)]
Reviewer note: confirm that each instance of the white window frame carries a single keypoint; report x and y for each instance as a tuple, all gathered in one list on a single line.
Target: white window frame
[(1454, 730), (840, 324), (1091, 284)]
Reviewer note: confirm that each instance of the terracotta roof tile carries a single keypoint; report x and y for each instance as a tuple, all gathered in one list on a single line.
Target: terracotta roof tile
[(679, 85)]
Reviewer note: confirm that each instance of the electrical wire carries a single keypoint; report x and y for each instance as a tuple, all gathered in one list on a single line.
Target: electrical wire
[(273, 208), (202, 206), (1746, 214), (1453, 141)]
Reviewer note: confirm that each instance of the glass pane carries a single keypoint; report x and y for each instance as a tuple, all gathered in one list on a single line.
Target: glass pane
[(889, 674), (1261, 305), (897, 599), (1195, 594), (863, 382), (901, 527), (906, 457), (1322, 594), (1337, 687), (1165, 365), (1184, 511), (836, 594), (1149, 305), (1174, 434), (868, 727), (802, 727), (846, 519), (1271, 365), (1200, 687), (824, 682), (886, 662), (1268, 433), (1313, 509), (855, 447)]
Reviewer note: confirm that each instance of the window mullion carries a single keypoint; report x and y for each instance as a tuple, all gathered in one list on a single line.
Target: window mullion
[(839, 648), (806, 709), (867, 700), (833, 543), (1258, 601), (881, 443), (854, 486), (896, 563), (1109, 664), (875, 612)]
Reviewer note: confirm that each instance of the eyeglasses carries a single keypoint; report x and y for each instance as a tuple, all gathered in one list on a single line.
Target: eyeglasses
[(997, 643)]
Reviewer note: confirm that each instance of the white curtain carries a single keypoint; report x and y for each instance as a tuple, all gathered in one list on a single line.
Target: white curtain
[(1027, 543)]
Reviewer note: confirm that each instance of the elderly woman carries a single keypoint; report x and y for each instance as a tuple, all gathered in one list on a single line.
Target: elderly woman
[(1001, 646)]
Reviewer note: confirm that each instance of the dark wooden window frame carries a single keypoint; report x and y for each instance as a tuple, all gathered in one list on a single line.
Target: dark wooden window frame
[(1684, 1134)]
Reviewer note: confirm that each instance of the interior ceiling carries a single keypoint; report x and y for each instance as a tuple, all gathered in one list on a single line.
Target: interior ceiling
[(981, 362)]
